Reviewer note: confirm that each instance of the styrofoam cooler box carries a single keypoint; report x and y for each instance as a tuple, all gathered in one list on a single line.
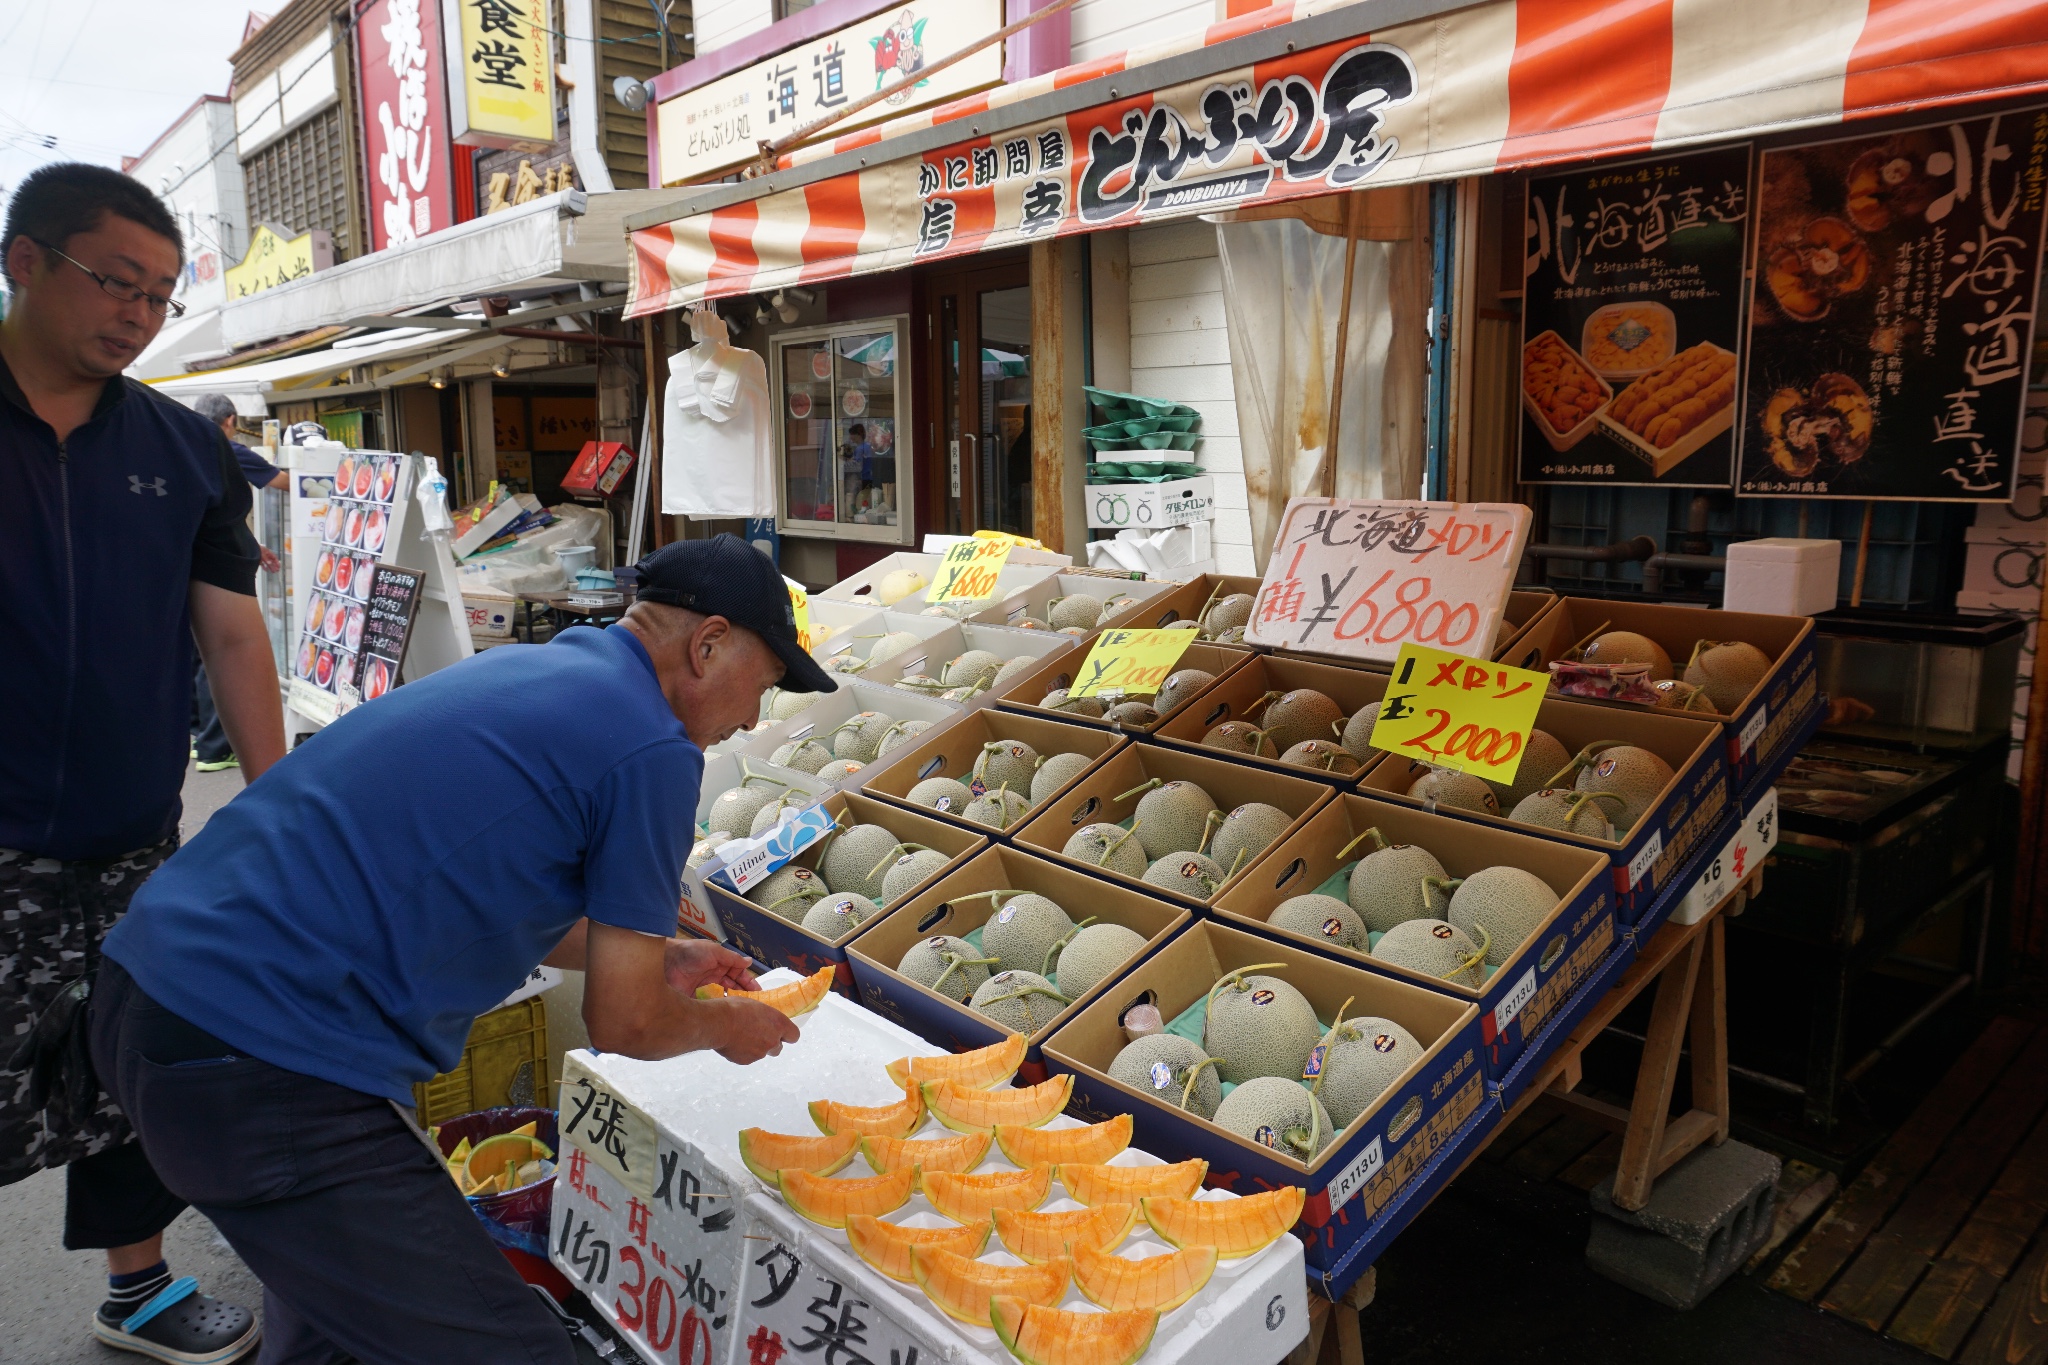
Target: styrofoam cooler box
[(1783, 576), (1739, 855), (1034, 600), (1177, 552), (489, 614), (844, 647), (853, 696), (1150, 506), (832, 620), (954, 638), (722, 772), (864, 587)]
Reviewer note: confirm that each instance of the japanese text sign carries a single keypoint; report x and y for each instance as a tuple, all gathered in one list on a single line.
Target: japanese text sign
[(614, 1134), (1459, 713), (1134, 662), (501, 75), (800, 613), (405, 123), (272, 260), (968, 572), (1363, 578)]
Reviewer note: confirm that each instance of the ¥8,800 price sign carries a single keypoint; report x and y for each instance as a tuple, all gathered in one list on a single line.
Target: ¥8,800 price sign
[(1365, 578), (1133, 662), (1459, 713), (968, 572)]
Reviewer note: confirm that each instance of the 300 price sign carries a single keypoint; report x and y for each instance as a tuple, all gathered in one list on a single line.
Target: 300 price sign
[(1458, 712), (968, 572), (1133, 662)]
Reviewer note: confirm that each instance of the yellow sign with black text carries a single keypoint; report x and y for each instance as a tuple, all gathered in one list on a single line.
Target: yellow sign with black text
[(1133, 662), (800, 608), (502, 86), (968, 572), (1459, 712), (274, 259)]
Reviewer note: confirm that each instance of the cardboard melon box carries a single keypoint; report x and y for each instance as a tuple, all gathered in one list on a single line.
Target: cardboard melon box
[(1352, 1181), (951, 906), (1678, 821), (1766, 728), (951, 751), (768, 937), (1237, 697), (1111, 793), (1189, 599), (695, 914), (1531, 982), (1024, 693)]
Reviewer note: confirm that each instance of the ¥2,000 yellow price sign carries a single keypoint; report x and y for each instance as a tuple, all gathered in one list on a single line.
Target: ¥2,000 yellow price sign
[(800, 607), (1134, 662), (1458, 712), (968, 572)]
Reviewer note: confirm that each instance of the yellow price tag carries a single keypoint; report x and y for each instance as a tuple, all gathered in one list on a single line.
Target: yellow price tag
[(1458, 712), (968, 572), (800, 606), (1134, 662), (1004, 537)]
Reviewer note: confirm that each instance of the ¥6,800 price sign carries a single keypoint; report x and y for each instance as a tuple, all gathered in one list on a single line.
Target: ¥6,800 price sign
[(1459, 713), (1134, 662), (968, 572)]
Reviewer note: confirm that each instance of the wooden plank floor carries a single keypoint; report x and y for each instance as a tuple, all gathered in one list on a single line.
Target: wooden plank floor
[(1941, 1242)]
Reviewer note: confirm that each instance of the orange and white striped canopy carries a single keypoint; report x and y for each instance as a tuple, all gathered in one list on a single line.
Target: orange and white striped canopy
[(1488, 87)]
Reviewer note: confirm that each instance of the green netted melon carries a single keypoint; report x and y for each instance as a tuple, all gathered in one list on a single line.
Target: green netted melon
[(1635, 775), (1110, 846), (705, 847), (1189, 874), (1172, 818), (1391, 885), (1299, 715), (1229, 613), (1568, 810), (943, 794), (1240, 737), (735, 807), (1094, 955), (975, 668), (1360, 1061), (1247, 832), (1078, 609), (1058, 700), (998, 808), (1356, 737), (1181, 686), (907, 871), (838, 914), (802, 755), (1006, 762), (855, 858), (1259, 1026), (1021, 934), (1541, 757), (1449, 787), (782, 705), (1627, 647), (1509, 902), (951, 966), (1055, 772), (860, 737), (1320, 917), (1433, 948), (789, 892), (1277, 1112), (1162, 1065), (1320, 755), (770, 815), (1024, 1002), (1727, 671)]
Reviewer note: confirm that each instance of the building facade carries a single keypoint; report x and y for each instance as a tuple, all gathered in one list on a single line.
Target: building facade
[(194, 169)]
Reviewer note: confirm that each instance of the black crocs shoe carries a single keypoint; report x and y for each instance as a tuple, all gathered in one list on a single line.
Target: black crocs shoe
[(182, 1326)]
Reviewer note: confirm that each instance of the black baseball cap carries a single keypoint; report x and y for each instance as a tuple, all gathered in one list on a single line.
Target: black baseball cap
[(725, 576)]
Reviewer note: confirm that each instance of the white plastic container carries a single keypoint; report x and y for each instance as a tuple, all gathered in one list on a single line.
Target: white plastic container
[(1783, 576)]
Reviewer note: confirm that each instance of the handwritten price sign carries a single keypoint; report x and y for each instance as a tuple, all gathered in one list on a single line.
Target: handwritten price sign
[(1459, 713), (800, 607), (1366, 578), (1134, 662), (968, 572)]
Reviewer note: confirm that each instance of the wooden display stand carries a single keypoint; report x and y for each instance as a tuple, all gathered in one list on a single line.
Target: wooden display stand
[(1689, 966)]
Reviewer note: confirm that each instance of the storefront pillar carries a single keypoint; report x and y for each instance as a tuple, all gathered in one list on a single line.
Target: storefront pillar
[(1058, 317)]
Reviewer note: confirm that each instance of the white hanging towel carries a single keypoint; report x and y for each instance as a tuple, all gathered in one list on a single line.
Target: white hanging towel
[(718, 456)]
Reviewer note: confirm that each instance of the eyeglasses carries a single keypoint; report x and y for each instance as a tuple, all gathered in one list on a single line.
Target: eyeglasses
[(127, 291)]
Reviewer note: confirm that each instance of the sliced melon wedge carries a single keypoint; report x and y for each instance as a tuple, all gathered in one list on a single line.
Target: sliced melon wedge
[(982, 1069), (971, 1198), (963, 1286), (1038, 1335), (1088, 1144), (1162, 1282), (1235, 1227), (1040, 1237), (766, 1153), (1128, 1184), (962, 1152), (828, 1202), (967, 1110), (798, 997), (886, 1246), (898, 1120)]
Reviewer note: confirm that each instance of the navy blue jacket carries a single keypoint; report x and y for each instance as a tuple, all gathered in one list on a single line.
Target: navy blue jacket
[(100, 537)]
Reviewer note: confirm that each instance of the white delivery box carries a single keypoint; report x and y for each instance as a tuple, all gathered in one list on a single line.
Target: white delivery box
[(1783, 576), (1150, 506)]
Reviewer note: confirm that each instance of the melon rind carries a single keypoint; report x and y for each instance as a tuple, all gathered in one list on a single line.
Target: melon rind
[(971, 1198), (962, 1286), (982, 1069), (962, 1152), (966, 1110), (1054, 1336), (828, 1201), (1123, 1284), (1235, 1227), (1096, 1183), (1039, 1237), (1089, 1144), (886, 1246), (766, 1153), (897, 1120), (798, 997)]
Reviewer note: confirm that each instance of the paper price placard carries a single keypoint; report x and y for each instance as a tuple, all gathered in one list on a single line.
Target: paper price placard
[(800, 606), (1459, 713), (1134, 662), (968, 572)]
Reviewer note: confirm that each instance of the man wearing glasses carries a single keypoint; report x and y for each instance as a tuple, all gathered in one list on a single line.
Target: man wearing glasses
[(122, 543)]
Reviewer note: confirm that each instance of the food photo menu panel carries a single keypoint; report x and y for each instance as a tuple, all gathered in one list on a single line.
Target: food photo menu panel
[(367, 487)]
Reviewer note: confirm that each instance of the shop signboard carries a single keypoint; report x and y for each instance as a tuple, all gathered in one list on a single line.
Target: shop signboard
[(501, 74), (1632, 321), (394, 601), (273, 259), (405, 120), (722, 123), (1896, 278)]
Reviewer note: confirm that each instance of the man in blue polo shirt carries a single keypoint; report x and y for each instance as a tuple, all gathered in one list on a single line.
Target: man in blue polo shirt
[(327, 940)]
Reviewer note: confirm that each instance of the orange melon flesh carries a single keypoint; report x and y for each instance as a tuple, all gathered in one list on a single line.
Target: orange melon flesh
[(1039, 1237), (828, 1202), (766, 1153), (966, 1110), (898, 1120), (963, 1286), (1235, 1227), (982, 1069), (955, 1154), (1051, 1336), (971, 1198), (1128, 1184), (500, 1155), (1089, 1144), (798, 997), (1160, 1282), (886, 1246)]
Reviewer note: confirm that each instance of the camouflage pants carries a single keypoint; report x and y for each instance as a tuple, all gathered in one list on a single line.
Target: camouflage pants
[(53, 915)]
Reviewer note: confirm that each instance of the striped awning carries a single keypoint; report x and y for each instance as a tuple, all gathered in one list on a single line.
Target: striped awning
[(1481, 88)]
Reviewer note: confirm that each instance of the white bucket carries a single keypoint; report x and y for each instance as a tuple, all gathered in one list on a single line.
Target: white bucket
[(576, 558)]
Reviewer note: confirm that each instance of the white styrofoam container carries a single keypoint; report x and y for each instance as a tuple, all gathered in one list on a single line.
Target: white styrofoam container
[(489, 613), (1783, 576), (955, 639), (1150, 506), (1756, 836), (1035, 600), (1027, 566), (858, 641), (854, 696), (721, 772)]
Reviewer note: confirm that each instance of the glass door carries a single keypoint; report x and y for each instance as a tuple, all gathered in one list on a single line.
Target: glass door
[(979, 327)]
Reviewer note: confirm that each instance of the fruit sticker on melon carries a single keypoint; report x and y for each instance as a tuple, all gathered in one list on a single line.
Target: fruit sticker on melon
[(971, 1198), (1088, 1144), (1119, 1283), (767, 1153), (963, 1286), (966, 1110), (1093, 1185), (798, 997), (1235, 1227), (886, 1246), (952, 1155), (829, 1202), (897, 1120), (1041, 1237), (982, 1069), (1053, 1336)]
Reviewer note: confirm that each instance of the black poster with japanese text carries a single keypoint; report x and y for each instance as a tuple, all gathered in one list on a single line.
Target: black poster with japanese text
[(394, 600), (1632, 319), (1893, 312)]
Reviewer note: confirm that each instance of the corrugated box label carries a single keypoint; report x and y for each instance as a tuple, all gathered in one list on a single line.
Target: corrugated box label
[(1754, 727), (1521, 994), (1352, 1178), (1646, 858)]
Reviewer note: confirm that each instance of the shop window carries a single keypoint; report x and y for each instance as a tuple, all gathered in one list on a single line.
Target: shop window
[(839, 391), (301, 181), (785, 8)]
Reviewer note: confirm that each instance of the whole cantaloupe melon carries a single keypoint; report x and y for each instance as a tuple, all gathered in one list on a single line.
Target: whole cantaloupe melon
[(1259, 1026)]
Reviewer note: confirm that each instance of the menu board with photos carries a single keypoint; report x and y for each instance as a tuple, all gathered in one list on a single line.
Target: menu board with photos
[(1893, 312), (367, 489), (394, 599), (1632, 319)]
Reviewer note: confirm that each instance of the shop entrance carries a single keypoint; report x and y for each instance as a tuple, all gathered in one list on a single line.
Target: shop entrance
[(979, 461)]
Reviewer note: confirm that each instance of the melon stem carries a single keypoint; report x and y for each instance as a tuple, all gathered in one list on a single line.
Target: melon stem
[(1478, 954), (1235, 980), (953, 960), (1373, 834), (1187, 1092), (1045, 968), (1202, 619), (1211, 822), (1119, 842), (1234, 862), (1146, 785), (893, 854), (1578, 651), (1264, 702)]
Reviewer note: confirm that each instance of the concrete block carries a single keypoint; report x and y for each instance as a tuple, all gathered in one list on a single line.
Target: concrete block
[(1706, 1216)]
